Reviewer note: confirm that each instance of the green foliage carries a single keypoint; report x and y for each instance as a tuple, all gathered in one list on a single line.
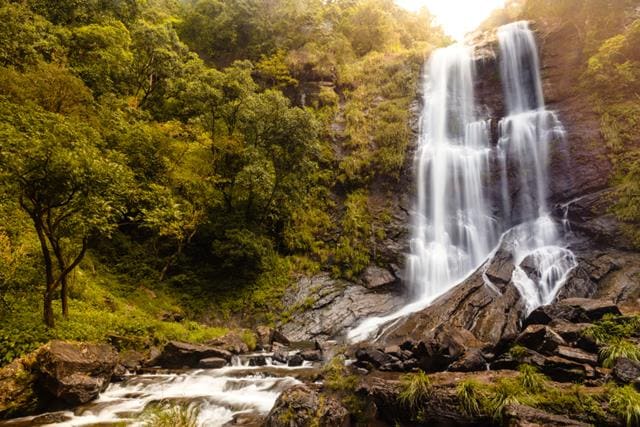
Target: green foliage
[(612, 328), (625, 402), (619, 348), (517, 351), (171, 415), (414, 390)]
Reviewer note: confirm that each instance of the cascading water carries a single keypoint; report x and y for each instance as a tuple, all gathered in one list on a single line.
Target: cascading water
[(456, 224), (453, 231), (525, 137)]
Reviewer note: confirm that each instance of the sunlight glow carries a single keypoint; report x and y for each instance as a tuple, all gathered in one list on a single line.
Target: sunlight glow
[(457, 17)]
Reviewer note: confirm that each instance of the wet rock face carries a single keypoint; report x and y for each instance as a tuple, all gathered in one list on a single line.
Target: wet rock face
[(326, 307), (301, 406), (76, 373)]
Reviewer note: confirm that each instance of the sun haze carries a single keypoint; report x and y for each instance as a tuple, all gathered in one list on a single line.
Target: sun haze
[(457, 17)]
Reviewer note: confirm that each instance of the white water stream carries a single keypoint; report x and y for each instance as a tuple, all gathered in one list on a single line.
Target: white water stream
[(456, 225), (218, 395)]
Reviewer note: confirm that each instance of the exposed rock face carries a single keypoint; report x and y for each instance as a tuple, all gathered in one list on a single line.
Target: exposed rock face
[(76, 372), (490, 313), (377, 278), (327, 307), (176, 355), (300, 406)]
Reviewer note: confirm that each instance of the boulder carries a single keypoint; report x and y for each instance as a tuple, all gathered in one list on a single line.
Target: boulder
[(540, 338), (232, 342), (395, 351), (301, 406), (76, 372), (377, 278), (626, 370), (176, 355), (526, 416), (212, 363), (295, 360)]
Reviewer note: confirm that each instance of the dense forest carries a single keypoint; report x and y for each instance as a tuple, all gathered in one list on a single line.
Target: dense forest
[(163, 158)]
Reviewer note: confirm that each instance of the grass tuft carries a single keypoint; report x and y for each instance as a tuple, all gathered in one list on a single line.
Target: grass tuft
[(166, 415), (619, 348), (625, 403), (531, 379), (415, 388), (470, 397)]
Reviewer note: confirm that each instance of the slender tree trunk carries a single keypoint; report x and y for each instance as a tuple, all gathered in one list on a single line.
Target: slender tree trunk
[(48, 309), (64, 297)]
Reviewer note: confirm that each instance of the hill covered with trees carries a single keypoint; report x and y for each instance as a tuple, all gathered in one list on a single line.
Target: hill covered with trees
[(162, 160)]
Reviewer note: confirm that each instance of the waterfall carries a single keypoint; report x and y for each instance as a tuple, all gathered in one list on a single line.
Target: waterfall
[(456, 223), (453, 230), (526, 134)]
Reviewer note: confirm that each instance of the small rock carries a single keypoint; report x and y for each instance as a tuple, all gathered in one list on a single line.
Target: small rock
[(394, 350), (295, 360), (281, 355), (258, 361), (119, 373), (374, 356), (277, 336), (626, 370), (311, 355), (230, 342), (471, 360), (577, 355), (377, 278), (212, 363), (500, 268), (263, 337)]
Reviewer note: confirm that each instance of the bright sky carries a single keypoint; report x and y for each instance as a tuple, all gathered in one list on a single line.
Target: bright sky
[(457, 17)]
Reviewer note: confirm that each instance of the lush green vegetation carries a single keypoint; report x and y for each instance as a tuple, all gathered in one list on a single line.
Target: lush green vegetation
[(161, 156)]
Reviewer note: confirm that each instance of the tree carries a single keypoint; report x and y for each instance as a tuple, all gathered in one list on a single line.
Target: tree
[(70, 190)]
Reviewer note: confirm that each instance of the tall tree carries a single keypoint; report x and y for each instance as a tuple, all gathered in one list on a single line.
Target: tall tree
[(67, 186)]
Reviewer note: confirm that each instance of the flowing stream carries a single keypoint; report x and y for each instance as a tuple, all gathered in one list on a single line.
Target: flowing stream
[(218, 395), (456, 221)]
